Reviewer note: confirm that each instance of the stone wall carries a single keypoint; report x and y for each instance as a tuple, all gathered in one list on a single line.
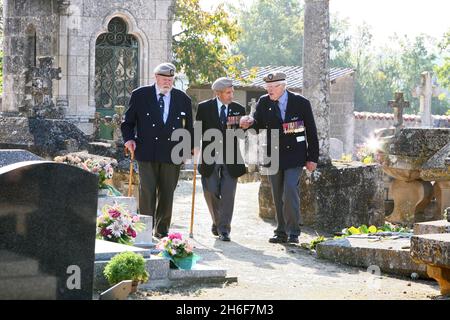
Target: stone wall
[(67, 31), (148, 20), (30, 31), (366, 123)]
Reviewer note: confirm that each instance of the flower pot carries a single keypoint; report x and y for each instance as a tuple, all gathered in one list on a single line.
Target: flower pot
[(134, 286)]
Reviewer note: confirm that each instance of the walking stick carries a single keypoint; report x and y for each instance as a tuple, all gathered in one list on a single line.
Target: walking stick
[(191, 232), (130, 181)]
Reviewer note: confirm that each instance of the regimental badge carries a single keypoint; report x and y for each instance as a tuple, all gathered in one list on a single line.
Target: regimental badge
[(233, 122), (293, 127), (172, 72), (270, 77)]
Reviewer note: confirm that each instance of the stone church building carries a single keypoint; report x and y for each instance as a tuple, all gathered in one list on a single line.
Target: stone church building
[(96, 53)]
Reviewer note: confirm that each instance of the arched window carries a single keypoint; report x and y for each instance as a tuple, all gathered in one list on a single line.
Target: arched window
[(116, 67)]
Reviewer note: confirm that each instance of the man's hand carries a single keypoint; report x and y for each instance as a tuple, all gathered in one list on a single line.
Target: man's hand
[(311, 166), (131, 145), (195, 153), (246, 122)]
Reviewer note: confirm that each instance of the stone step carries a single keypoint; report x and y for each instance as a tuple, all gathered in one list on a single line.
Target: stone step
[(14, 265), (432, 227), (391, 256), (40, 287)]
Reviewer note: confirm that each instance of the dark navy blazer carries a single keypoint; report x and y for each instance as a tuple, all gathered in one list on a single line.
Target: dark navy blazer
[(143, 123), (294, 148)]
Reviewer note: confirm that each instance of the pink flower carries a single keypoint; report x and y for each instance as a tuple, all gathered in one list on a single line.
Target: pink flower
[(105, 232), (113, 213), (136, 218), (131, 232), (175, 235)]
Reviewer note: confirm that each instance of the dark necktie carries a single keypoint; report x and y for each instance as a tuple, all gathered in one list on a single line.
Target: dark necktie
[(161, 105), (223, 116), (277, 110)]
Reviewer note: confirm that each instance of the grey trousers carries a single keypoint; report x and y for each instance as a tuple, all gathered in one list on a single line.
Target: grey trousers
[(219, 190), (286, 197), (157, 185)]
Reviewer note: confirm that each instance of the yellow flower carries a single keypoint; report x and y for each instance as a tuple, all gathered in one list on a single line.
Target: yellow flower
[(372, 229), (354, 230)]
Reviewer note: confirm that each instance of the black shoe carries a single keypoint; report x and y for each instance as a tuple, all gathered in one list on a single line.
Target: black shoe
[(278, 239), (224, 237), (293, 239), (214, 231)]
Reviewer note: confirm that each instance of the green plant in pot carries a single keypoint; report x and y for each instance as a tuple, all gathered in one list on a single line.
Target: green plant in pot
[(126, 266)]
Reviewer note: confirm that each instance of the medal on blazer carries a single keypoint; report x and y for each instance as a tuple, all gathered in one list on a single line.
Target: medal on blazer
[(233, 122), (293, 127)]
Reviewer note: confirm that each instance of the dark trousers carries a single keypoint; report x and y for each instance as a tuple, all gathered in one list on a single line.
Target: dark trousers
[(219, 190), (286, 197), (156, 188)]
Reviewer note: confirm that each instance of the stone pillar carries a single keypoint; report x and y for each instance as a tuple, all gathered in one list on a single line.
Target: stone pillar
[(316, 80)]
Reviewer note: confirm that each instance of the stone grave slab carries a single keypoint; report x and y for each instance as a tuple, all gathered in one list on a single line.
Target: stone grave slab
[(432, 227), (11, 156), (433, 250), (392, 256)]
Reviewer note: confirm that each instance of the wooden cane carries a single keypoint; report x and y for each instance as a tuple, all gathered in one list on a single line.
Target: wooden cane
[(191, 229), (130, 181)]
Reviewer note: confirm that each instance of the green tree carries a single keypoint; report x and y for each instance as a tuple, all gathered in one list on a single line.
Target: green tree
[(443, 70), (201, 49), (272, 33)]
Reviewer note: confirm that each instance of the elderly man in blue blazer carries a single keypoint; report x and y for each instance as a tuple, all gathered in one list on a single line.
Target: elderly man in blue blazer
[(154, 113)]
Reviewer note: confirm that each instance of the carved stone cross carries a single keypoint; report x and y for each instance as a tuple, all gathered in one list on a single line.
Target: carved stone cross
[(399, 104)]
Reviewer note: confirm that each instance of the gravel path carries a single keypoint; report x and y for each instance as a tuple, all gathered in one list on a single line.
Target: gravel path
[(271, 271)]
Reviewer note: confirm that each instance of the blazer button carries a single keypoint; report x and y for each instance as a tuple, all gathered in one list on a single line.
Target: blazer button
[(148, 114), (154, 125), (173, 128), (156, 138), (168, 139), (288, 147)]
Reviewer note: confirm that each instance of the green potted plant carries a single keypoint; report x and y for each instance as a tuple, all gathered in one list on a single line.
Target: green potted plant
[(126, 266)]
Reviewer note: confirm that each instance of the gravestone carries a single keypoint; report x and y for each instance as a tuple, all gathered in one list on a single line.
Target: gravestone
[(425, 92), (336, 149), (47, 227), (8, 157), (399, 104)]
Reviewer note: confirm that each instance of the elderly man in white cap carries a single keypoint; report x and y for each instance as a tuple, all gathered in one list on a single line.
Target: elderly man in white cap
[(219, 178), (154, 113), (298, 146)]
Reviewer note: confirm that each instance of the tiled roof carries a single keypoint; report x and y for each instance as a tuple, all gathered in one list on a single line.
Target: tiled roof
[(294, 76)]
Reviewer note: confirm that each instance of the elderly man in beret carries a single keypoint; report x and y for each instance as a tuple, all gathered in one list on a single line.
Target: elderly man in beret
[(219, 177), (154, 112), (291, 115)]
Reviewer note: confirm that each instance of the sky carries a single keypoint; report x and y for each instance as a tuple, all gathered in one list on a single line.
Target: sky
[(386, 17)]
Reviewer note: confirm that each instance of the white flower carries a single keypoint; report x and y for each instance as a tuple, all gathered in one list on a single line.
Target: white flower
[(116, 229)]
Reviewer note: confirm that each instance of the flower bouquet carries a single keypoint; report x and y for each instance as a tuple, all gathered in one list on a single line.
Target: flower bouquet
[(102, 168), (178, 251), (116, 224), (104, 171)]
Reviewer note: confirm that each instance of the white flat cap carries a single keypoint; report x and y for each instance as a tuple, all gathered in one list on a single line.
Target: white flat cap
[(165, 69), (221, 84)]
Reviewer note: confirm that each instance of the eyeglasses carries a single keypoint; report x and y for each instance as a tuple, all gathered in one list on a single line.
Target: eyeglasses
[(267, 87)]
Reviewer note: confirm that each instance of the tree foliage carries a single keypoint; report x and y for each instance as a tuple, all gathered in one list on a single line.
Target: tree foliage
[(202, 48)]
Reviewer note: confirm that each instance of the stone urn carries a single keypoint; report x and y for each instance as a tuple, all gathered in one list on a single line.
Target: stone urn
[(415, 157)]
